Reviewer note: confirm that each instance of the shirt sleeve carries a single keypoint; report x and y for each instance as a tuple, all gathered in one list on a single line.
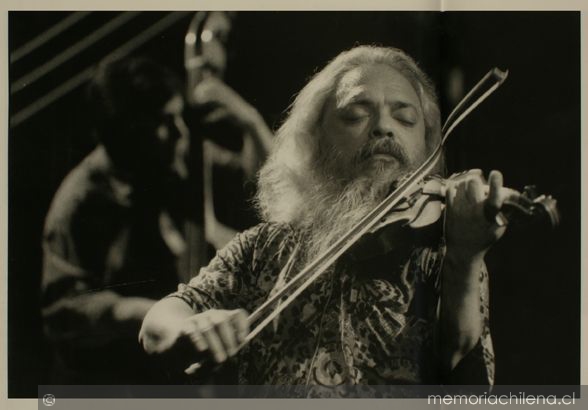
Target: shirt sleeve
[(229, 281)]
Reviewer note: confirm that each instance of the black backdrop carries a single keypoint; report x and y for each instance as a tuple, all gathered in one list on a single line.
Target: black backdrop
[(530, 130)]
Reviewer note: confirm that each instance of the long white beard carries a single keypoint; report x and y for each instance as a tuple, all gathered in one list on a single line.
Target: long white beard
[(341, 192), (334, 207)]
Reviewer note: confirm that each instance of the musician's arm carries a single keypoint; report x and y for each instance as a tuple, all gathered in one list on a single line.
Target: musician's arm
[(463, 308), (163, 323), (205, 314), (464, 343)]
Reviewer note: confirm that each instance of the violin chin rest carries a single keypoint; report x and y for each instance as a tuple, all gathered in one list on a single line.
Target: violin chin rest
[(429, 211)]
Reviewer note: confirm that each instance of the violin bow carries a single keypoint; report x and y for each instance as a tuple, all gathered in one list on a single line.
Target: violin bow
[(482, 90)]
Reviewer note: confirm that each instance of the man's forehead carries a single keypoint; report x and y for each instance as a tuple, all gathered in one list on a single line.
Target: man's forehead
[(349, 84), (355, 82)]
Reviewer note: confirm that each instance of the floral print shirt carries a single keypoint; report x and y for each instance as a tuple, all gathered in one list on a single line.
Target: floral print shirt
[(368, 321)]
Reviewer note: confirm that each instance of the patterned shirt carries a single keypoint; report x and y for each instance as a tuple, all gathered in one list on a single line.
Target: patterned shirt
[(366, 321)]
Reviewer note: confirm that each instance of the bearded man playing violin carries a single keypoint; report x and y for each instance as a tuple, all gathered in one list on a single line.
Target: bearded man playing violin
[(415, 313)]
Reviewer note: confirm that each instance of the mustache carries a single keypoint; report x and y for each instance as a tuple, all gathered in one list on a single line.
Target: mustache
[(384, 146)]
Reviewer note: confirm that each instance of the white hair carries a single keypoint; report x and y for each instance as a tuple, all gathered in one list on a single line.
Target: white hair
[(288, 180)]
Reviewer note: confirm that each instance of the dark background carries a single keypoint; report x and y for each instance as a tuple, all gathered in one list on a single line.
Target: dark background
[(529, 129)]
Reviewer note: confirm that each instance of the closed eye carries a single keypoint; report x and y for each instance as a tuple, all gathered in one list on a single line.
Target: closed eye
[(406, 116), (405, 121), (354, 113)]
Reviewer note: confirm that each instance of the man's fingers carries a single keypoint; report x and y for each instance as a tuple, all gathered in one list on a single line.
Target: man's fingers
[(494, 201), (218, 331), (216, 115), (475, 190), (240, 323), (192, 331), (206, 91), (226, 334), (214, 342), (475, 173), (495, 183), (198, 340), (460, 196), (213, 90)]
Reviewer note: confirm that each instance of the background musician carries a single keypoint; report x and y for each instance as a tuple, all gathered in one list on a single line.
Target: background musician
[(113, 237)]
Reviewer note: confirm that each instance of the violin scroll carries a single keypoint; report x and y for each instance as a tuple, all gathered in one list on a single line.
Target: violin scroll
[(531, 204)]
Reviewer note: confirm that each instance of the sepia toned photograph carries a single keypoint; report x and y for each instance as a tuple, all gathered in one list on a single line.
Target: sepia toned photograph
[(292, 204)]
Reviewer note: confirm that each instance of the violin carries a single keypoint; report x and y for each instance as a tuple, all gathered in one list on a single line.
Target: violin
[(416, 202), (420, 215)]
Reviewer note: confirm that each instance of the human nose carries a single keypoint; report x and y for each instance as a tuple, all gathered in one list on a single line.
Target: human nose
[(383, 125)]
